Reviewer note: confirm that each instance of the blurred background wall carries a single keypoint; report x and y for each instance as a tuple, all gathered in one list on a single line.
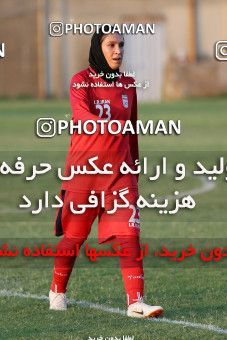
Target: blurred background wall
[(178, 59)]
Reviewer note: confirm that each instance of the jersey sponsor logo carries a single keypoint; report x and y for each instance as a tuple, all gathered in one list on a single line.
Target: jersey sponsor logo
[(134, 220), (125, 100)]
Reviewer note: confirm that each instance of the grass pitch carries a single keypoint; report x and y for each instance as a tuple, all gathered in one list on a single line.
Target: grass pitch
[(194, 293)]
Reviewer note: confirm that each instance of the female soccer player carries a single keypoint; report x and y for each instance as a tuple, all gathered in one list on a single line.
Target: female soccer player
[(101, 92)]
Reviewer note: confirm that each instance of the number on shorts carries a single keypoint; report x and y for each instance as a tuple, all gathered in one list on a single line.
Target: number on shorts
[(134, 220)]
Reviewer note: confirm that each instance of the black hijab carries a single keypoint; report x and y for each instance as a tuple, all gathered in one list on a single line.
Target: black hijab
[(96, 58)]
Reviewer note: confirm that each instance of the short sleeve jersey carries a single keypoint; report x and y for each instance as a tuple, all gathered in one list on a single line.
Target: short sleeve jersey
[(95, 103)]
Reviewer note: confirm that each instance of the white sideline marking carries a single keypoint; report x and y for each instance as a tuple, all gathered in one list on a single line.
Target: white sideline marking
[(86, 304), (206, 186)]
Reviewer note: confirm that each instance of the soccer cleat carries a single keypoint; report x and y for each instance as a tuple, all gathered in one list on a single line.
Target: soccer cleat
[(142, 310), (58, 301)]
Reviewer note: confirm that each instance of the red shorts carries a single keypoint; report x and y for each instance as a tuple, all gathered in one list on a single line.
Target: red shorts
[(123, 222)]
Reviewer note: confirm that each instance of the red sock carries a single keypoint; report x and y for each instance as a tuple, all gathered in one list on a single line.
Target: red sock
[(132, 270), (63, 265)]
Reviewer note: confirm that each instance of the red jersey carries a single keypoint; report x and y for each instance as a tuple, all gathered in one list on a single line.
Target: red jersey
[(96, 103)]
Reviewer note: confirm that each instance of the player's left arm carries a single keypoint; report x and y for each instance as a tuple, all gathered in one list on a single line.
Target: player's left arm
[(133, 139)]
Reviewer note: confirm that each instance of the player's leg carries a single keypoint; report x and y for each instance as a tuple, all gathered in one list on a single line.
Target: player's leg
[(123, 227), (63, 266), (76, 229), (133, 278), (131, 268)]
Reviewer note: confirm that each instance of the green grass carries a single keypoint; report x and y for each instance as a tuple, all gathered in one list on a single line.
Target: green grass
[(195, 294)]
